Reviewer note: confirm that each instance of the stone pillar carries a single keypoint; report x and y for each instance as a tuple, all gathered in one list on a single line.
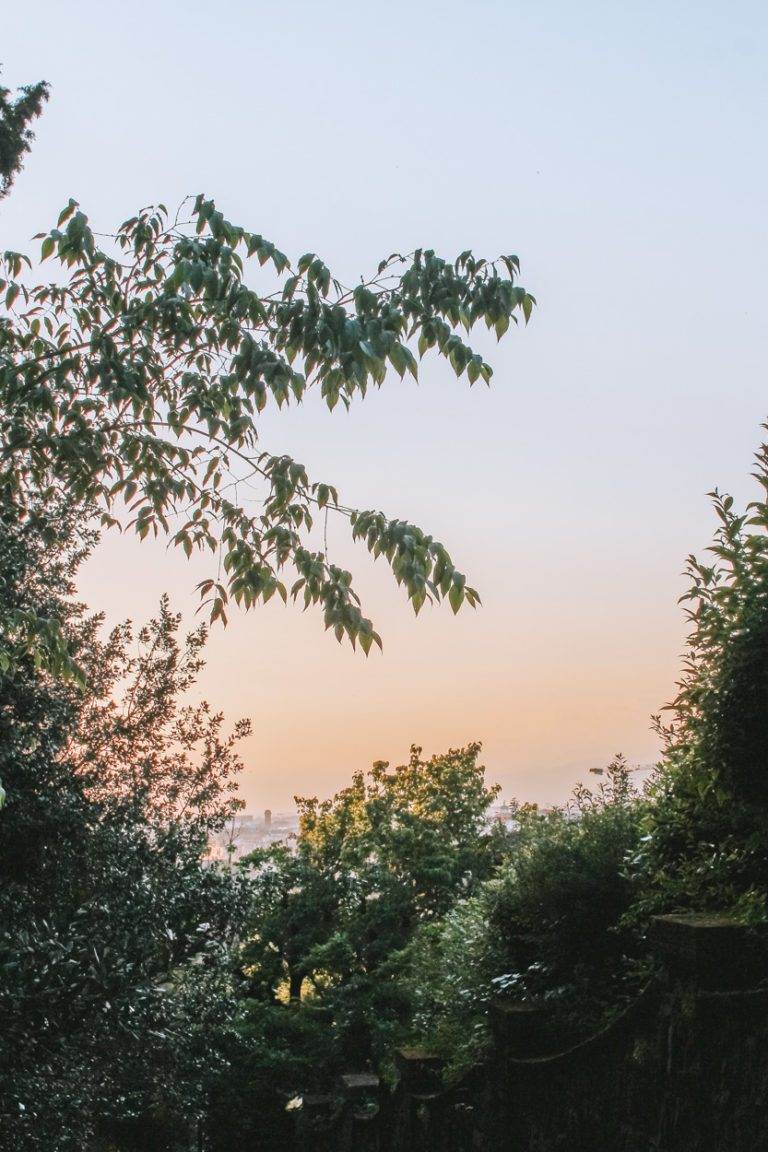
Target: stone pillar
[(360, 1129), (519, 1028), (520, 1032), (714, 1033), (710, 952), (317, 1123), (421, 1101), (419, 1069)]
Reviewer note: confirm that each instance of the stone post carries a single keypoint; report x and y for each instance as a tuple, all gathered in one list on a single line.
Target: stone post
[(709, 951), (360, 1129), (421, 1100), (317, 1123)]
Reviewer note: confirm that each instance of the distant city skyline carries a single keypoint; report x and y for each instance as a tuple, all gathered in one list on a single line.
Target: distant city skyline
[(267, 818), (617, 149)]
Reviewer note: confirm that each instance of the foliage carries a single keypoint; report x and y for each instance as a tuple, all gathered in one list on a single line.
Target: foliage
[(547, 928), (419, 827), (559, 901), (394, 850), (15, 134), (131, 388), (564, 921), (706, 843), (136, 385), (138, 744), (273, 1053), (449, 971), (112, 929)]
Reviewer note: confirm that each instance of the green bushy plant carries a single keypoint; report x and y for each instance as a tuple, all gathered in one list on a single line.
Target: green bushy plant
[(112, 927), (331, 915), (547, 928), (706, 837)]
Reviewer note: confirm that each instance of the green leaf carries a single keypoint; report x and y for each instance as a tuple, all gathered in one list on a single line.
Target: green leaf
[(65, 213), (456, 597), (397, 359)]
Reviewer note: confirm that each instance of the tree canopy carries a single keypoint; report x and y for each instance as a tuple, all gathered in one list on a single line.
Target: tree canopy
[(135, 382), (111, 922), (330, 914), (16, 136)]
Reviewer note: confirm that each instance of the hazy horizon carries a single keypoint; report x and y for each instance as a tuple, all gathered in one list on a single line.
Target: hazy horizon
[(619, 153)]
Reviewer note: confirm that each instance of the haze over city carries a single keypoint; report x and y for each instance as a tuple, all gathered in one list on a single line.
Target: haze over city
[(618, 152)]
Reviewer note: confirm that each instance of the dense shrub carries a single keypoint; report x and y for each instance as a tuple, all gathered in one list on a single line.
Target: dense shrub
[(547, 928), (113, 931), (272, 1054), (706, 835)]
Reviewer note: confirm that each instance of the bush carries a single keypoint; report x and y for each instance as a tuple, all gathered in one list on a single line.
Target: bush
[(114, 932), (548, 928), (329, 918), (706, 835)]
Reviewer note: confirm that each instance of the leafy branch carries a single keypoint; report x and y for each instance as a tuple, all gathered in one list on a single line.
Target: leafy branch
[(136, 383)]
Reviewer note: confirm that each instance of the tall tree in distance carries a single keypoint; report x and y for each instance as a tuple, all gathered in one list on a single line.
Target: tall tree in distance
[(16, 136), (395, 850)]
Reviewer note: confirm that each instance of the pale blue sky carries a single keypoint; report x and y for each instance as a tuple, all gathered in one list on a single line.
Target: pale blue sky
[(619, 150)]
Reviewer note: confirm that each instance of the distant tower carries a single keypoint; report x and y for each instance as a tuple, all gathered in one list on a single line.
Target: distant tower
[(268, 818)]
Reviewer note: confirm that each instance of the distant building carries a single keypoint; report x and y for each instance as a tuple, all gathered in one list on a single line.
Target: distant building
[(249, 831)]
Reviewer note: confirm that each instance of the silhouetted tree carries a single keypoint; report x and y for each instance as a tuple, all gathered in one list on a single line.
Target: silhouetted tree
[(16, 136)]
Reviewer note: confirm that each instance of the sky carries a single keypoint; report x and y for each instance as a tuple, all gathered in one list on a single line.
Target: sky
[(619, 151)]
